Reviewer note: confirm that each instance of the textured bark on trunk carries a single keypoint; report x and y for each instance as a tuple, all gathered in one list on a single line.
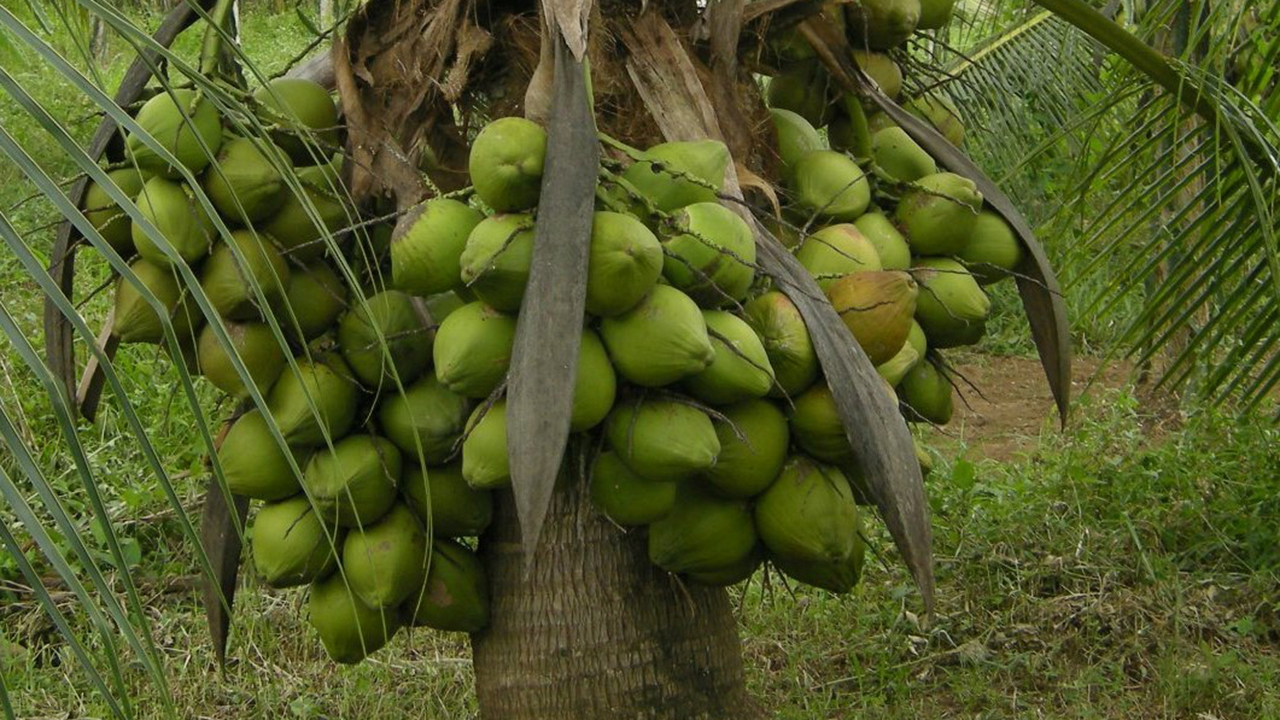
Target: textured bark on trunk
[(594, 631)]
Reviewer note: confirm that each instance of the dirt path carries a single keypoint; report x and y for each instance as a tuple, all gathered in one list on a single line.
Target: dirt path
[(1015, 406)]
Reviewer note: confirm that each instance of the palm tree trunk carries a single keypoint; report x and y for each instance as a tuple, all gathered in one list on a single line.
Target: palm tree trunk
[(593, 631)]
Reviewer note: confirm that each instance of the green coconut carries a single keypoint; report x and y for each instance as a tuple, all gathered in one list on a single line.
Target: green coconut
[(675, 174), (882, 24), (740, 369), (702, 534), (182, 222), (816, 427), (303, 114), (951, 308), (308, 214), (324, 382), (897, 367), (827, 183), (426, 258), (877, 308), (625, 262), (731, 574), (386, 562), (938, 213), (938, 110), (455, 595), (506, 163), (106, 215), (441, 305), (385, 339), (229, 281), (181, 121), (258, 349), (495, 263), (796, 136), (836, 251), (753, 446), (244, 183), (935, 14), (803, 88), (662, 439), (354, 483), (890, 244), (659, 341), (710, 254), (786, 341), (291, 546), (926, 392), (485, 464), (316, 296), (427, 417), (595, 384), (473, 349), (923, 458), (900, 158), (448, 506), (993, 251), (626, 498), (253, 462), (881, 68), (808, 520), (137, 321), (848, 134), (349, 629)]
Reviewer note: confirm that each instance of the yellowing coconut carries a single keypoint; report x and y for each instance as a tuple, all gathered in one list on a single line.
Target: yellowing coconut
[(455, 595), (803, 88), (675, 174), (386, 339), (836, 251), (291, 547), (625, 262), (244, 183), (938, 110), (306, 215), (877, 308), (881, 68), (753, 446), (304, 116), (662, 439), (626, 498), (740, 369), (926, 393), (349, 629), (354, 483), (938, 213), (254, 464), (777, 321), (808, 520), (495, 262), (386, 562), (106, 215), (427, 417), (898, 157), (882, 24), (890, 244), (319, 395), (993, 250), (473, 349), (316, 296), (660, 340), (827, 183), (235, 268), (816, 426), (448, 506), (178, 216), (137, 321), (184, 123), (426, 258), (261, 353), (702, 533), (710, 254), (485, 465), (796, 136), (506, 163), (951, 308)]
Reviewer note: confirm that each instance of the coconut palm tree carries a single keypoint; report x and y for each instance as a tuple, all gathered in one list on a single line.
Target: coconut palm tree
[(1158, 167)]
